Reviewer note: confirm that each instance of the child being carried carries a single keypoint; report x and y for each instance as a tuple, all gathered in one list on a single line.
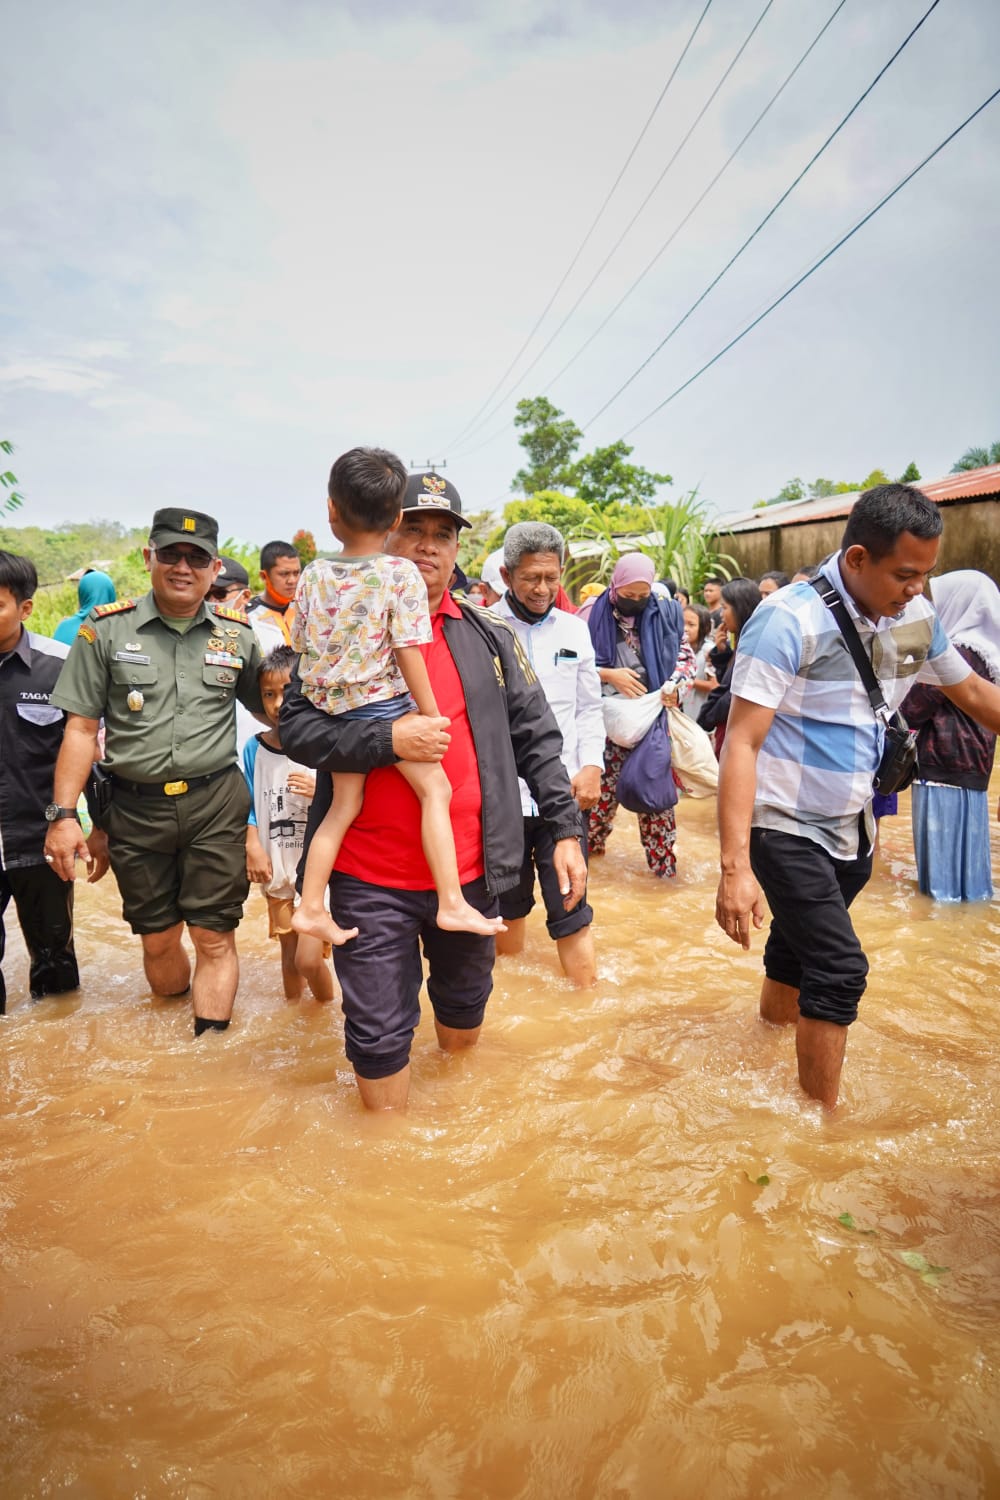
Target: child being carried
[(361, 619)]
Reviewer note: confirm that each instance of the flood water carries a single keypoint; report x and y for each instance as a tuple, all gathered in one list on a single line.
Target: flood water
[(605, 1254)]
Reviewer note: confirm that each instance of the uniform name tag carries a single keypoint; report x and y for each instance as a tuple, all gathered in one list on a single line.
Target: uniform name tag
[(223, 659), (133, 656)]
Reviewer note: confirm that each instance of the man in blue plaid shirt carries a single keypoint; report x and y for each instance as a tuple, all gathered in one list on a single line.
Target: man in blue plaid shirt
[(801, 748)]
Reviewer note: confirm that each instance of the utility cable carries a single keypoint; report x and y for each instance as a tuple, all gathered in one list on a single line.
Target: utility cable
[(699, 201), (628, 227), (587, 237), (816, 265), (767, 217)]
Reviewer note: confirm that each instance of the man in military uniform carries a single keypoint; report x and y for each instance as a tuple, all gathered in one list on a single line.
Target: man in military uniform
[(164, 673)]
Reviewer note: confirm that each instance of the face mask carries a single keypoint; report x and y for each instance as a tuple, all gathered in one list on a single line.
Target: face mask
[(630, 607), (529, 616)]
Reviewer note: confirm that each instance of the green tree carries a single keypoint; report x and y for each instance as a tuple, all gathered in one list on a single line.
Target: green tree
[(910, 474), (11, 500), (305, 545), (605, 477), (977, 458), (549, 440), (474, 543)]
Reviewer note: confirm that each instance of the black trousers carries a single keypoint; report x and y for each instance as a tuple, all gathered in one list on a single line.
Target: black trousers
[(812, 945), (44, 906)]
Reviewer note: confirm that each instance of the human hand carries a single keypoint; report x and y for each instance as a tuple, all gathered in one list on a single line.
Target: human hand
[(303, 783), (668, 695), (571, 871), (97, 844), (721, 637), (626, 682), (258, 864), (586, 787), (738, 900), (64, 845), (419, 737)]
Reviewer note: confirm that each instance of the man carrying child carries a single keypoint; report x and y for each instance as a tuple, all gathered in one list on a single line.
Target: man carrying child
[(494, 724)]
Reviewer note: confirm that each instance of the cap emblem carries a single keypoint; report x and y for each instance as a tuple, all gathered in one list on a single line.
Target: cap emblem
[(434, 483), (188, 523)]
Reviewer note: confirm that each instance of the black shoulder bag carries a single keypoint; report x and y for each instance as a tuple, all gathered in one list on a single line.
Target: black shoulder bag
[(898, 765)]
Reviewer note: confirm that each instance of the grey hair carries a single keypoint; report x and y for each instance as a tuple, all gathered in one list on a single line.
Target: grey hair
[(531, 536)]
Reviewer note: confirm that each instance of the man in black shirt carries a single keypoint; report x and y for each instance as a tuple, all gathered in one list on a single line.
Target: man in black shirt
[(31, 732)]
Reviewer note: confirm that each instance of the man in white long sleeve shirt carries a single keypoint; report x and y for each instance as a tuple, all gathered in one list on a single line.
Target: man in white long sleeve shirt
[(559, 650)]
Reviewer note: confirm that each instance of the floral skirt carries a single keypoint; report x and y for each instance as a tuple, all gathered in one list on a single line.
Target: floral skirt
[(658, 831)]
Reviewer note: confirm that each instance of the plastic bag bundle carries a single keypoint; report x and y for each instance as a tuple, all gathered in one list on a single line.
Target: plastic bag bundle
[(692, 756), (628, 720)]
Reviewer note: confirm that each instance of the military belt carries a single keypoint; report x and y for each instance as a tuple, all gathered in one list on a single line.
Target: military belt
[(169, 788)]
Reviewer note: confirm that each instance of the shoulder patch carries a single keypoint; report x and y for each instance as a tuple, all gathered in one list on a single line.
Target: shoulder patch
[(224, 613), (88, 632), (120, 606)]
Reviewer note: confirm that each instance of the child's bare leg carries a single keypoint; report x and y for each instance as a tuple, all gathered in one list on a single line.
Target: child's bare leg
[(311, 966), (291, 980), (433, 788), (311, 917)]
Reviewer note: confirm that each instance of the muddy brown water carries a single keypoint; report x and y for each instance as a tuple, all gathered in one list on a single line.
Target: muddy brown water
[(612, 1252)]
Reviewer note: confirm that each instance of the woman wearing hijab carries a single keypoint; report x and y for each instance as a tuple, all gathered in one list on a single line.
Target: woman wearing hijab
[(639, 643), (94, 588), (951, 818)]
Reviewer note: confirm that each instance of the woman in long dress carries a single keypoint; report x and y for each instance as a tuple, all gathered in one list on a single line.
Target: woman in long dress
[(640, 645)]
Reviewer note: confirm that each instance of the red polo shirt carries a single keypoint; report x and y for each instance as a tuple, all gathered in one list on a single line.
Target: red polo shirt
[(382, 845)]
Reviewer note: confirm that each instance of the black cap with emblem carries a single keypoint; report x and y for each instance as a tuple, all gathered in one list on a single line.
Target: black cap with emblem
[(430, 491)]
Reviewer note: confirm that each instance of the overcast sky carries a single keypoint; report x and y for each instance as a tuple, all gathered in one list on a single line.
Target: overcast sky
[(239, 238)]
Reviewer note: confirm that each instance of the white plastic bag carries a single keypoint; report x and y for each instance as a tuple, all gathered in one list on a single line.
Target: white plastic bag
[(627, 720), (692, 755)]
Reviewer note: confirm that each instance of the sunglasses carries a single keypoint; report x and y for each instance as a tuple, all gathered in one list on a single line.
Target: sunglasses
[(224, 591), (193, 556)]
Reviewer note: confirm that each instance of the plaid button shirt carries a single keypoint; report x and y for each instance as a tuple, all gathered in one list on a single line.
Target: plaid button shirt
[(815, 767)]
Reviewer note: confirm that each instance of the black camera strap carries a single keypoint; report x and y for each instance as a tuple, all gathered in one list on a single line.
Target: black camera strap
[(831, 597)]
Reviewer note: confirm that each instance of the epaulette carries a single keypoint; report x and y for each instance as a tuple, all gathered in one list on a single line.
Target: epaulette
[(119, 607), (225, 613)]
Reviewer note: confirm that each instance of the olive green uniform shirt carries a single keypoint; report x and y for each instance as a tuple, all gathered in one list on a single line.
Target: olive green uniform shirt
[(167, 699)]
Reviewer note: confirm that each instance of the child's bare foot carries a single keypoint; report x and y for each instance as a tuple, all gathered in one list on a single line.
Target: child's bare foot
[(461, 917), (321, 925)]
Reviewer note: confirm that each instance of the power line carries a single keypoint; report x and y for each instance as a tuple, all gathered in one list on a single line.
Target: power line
[(586, 239), (699, 201), (767, 217), (631, 223), (816, 265)]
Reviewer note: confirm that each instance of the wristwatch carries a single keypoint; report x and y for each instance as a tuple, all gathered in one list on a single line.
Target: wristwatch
[(54, 812)]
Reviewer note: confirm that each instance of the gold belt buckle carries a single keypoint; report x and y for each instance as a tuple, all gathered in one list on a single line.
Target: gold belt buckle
[(174, 788)]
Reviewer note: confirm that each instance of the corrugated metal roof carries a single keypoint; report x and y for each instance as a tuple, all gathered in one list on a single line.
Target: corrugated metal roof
[(954, 487)]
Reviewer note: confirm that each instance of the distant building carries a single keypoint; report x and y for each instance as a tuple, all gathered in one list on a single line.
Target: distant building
[(796, 533)]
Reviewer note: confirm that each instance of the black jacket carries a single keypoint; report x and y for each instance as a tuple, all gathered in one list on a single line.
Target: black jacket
[(513, 730), (31, 733)]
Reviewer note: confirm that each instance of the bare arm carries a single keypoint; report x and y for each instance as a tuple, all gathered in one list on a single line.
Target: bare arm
[(623, 680), (977, 698), (739, 900), (64, 842), (410, 661)]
